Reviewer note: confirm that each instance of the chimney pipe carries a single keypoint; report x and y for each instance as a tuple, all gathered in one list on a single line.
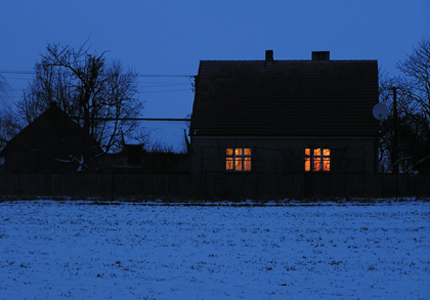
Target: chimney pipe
[(320, 55), (269, 58)]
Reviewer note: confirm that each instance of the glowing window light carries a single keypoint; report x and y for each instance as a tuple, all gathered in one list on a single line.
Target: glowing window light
[(317, 164), (326, 164), (307, 164), (247, 164), (229, 163), (317, 159), (238, 159)]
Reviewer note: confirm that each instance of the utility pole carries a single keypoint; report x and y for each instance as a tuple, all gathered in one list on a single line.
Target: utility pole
[(395, 154)]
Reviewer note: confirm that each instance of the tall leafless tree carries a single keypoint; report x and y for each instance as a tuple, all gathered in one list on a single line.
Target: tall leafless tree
[(101, 96), (412, 127)]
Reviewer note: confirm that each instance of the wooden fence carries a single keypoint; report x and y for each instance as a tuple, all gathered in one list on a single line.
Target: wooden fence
[(305, 186), (96, 186), (211, 186)]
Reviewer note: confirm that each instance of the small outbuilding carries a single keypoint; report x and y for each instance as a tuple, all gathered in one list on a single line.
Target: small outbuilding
[(53, 142)]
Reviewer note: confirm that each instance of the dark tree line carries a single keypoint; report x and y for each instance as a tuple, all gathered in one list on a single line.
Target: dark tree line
[(405, 137)]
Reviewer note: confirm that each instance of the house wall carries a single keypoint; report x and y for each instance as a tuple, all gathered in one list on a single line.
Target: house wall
[(274, 160), (284, 155)]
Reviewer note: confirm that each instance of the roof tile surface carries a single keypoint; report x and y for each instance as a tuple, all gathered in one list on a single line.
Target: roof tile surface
[(288, 98)]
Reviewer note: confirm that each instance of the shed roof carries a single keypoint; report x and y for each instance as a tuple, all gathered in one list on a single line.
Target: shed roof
[(285, 98), (51, 132)]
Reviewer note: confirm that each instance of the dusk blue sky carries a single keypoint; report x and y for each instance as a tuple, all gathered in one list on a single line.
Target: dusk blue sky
[(171, 37)]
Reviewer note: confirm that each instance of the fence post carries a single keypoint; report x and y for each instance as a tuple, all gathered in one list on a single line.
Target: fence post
[(19, 185), (206, 184), (397, 185), (112, 185)]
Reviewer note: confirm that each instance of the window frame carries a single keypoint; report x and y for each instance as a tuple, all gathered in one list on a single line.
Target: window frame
[(238, 159), (317, 160)]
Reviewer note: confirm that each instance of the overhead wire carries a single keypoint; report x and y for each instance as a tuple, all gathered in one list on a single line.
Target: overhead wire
[(23, 72), (159, 87)]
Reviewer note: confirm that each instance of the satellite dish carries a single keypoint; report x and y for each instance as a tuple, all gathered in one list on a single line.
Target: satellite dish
[(380, 111)]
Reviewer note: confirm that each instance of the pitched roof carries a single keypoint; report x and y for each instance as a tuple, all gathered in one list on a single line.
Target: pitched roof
[(52, 132), (285, 98)]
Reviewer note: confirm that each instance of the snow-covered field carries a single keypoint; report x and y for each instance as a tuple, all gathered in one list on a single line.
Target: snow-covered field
[(76, 250)]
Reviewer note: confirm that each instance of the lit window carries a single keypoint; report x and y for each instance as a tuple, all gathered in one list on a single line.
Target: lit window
[(238, 159), (229, 163), (317, 159)]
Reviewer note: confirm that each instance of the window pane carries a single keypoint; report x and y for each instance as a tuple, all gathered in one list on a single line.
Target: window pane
[(326, 152), (247, 164), (238, 164), (317, 164), (229, 163), (307, 151), (238, 151), (307, 164), (247, 151), (317, 152), (229, 151), (326, 164)]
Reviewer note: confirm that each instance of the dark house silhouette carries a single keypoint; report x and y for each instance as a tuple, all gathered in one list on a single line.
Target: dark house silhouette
[(285, 117), (51, 143)]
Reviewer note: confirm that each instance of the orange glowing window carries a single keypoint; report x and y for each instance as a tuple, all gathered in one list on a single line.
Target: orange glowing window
[(307, 164), (326, 164), (317, 152), (317, 164), (238, 159), (229, 163), (317, 159), (247, 164)]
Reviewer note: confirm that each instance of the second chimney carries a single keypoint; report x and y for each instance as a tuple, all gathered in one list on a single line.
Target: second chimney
[(321, 55)]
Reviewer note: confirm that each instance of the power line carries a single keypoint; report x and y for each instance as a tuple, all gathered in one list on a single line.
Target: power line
[(162, 75), (17, 72), (150, 87), (141, 119), (164, 91), (21, 72)]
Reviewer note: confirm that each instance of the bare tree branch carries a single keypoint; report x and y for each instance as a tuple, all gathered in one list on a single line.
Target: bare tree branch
[(87, 88), (413, 106)]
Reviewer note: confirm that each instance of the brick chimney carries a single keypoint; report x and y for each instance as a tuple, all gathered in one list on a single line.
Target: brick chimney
[(269, 58), (320, 55)]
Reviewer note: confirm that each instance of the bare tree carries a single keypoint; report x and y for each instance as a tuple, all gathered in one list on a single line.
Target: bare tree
[(414, 84), (4, 89), (411, 129), (9, 125), (101, 96)]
